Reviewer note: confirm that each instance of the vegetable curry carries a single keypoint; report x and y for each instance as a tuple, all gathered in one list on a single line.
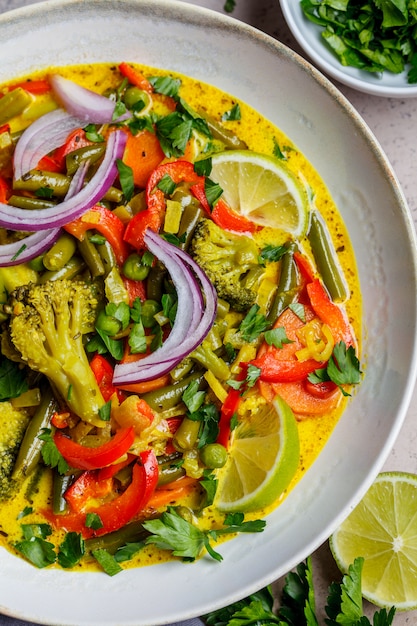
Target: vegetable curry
[(145, 315)]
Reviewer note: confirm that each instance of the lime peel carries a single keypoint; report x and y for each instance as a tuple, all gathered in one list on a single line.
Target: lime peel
[(262, 189), (263, 459), (383, 530)]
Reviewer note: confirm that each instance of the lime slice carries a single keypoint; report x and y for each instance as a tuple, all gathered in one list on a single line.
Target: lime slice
[(383, 530), (262, 189), (263, 458)]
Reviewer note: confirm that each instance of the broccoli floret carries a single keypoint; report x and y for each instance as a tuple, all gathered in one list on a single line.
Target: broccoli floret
[(13, 423), (229, 261), (46, 327)]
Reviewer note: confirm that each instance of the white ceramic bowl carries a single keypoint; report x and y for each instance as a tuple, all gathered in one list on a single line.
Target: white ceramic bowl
[(288, 91), (309, 37)]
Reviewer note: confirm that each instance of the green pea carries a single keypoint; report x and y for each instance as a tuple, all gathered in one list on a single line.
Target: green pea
[(149, 309), (213, 455), (134, 269), (108, 324)]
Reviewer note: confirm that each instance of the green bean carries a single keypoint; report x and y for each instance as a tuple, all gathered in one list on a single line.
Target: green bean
[(182, 369), (13, 103), (74, 267), (38, 179), (155, 282), (91, 256), (88, 153), (169, 396), (30, 448), (37, 263), (326, 258), (186, 435), (169, 472), (113, 195), (131, 533), (191, 215), (288, 285), (60, 484), (218, 131), (108, 257), (204, 355), (27, 202), (60, 253)]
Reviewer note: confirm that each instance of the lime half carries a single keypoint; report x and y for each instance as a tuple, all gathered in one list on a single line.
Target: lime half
[(262, 189), (383, 530), (263, 458)]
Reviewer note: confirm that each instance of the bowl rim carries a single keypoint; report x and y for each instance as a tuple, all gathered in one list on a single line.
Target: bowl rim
[(307, 35), (200, 15)]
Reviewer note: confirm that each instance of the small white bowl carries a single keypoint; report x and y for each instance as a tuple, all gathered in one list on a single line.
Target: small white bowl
[(309, 37)]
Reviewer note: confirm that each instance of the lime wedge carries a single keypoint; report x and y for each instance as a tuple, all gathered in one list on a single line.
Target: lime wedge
[(262, 189), (383, 530), (263, 458)]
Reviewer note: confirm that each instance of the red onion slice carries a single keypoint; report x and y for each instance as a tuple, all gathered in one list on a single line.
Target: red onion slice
[(28, 248), (34, 220), (83, 103), (192, 321), (42, 137)]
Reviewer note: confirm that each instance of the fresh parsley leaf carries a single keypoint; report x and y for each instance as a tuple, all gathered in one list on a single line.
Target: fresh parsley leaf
[(114, 346), (92, 134), (169, 306), (209, 484), (271, 253), (105, 411), (50, 453), (229, 6), (208, 415), (12, 380), (167, 185), (128, 551), (39, 552), (203, 167), (277, 337), (137, 339), (44, 192), (234, 114), (71, 550), (26, 511), (107, 561), (253, 324), (92, 520), (277, 152), (213, 192), (126, 179), (36, 530), (192, 397), (166, 85)]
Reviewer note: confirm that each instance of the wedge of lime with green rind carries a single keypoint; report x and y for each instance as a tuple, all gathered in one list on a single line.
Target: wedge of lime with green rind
[(263, 458), (262, 189), (383, 530)]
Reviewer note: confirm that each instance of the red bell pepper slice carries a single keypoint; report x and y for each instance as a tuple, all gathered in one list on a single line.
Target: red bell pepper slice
[(302, 402), (228, 409), (135, 77), (103, 372), (281, 364), (86, 487), (135, 289), (330, 313), (222, 214), (153, 216), (35, 87), (5, 190), (85, 457), (105, 222), (116, 513), (75, 140)]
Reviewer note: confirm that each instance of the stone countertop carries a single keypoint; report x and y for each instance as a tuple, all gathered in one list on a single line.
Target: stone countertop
[(391, 121)]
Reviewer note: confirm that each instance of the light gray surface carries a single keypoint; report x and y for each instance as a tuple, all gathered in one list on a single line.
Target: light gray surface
[(393, 122)]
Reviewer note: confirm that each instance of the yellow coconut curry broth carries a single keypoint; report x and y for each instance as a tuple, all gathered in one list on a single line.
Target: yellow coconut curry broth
[(30, 496)]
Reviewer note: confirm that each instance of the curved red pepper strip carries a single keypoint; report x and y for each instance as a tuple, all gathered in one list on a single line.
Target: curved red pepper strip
[(153, 216), (228, 409), (118, 512), (105, 222), (83, 457), (222, 214), (275, 370), (329, 313)]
